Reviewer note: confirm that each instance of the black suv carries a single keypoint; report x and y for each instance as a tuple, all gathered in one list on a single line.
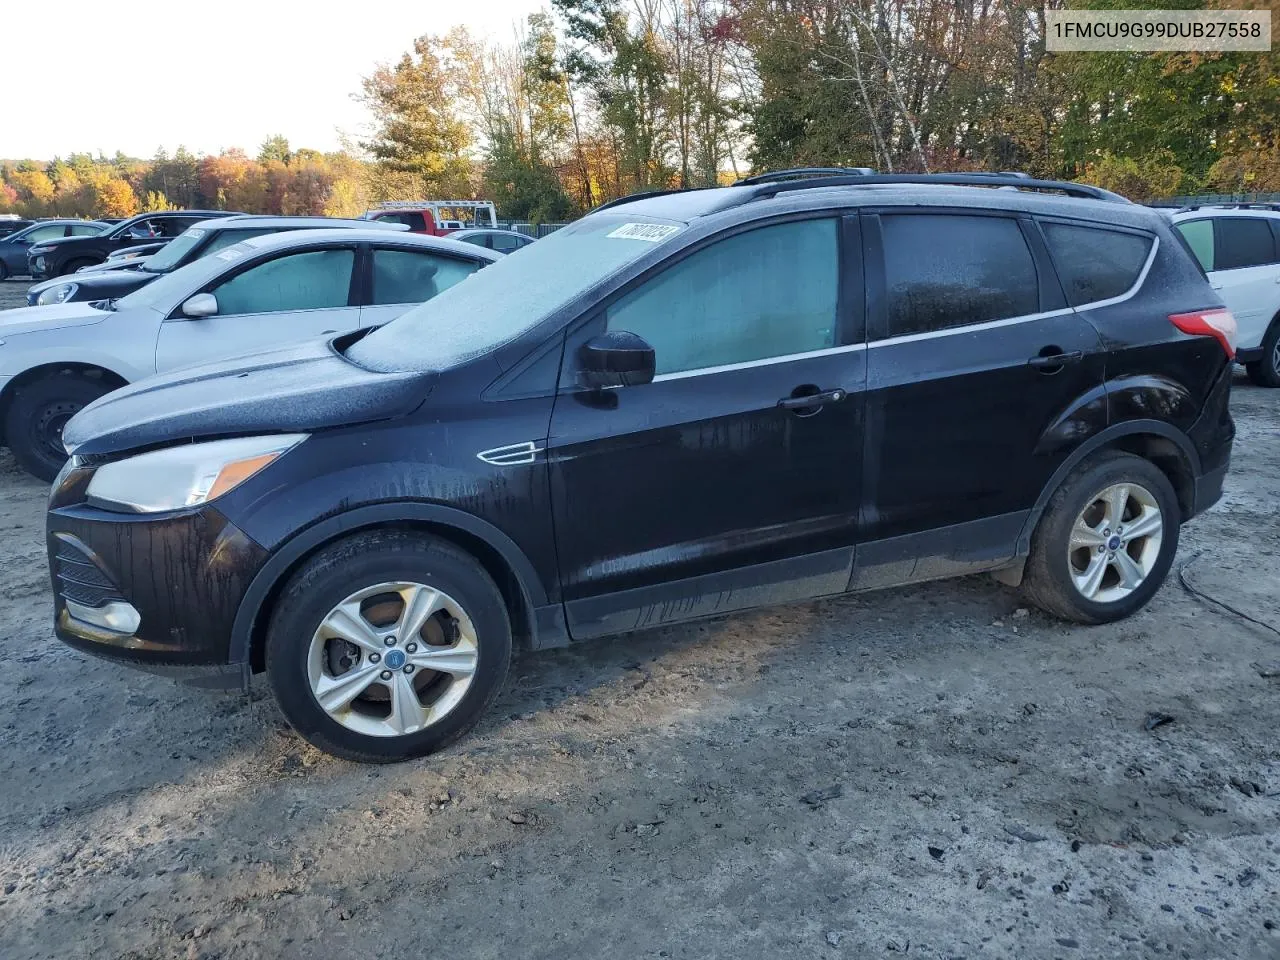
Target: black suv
[(679, 406), (53, 258)]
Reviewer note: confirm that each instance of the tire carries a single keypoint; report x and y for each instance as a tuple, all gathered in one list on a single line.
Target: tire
[(4, 271), (1265, 371), (33, 424), (1049, 582), (73, 265), (299, 658)]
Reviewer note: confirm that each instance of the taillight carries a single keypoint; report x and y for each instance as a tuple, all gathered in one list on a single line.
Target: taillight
[(1218, 323)]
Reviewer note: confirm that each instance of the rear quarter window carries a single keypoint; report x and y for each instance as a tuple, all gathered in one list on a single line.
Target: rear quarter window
[(1094, 263)]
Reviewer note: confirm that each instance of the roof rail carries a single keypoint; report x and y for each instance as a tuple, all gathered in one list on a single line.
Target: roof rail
[(796, 173), (1018, 180), (644, 195), (1242, 205)]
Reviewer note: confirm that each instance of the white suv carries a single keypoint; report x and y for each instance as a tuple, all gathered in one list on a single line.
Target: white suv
[(1239, 248), (261, 293)]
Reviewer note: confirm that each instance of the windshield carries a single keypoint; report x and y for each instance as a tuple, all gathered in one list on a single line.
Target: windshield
[(509, 297), (172, 253), (184, 280)]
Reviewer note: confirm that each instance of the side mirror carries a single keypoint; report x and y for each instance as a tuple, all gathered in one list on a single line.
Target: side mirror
[(201, 305), (616, 359)]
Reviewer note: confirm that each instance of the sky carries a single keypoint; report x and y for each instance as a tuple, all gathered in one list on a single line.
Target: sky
[(158, 73)]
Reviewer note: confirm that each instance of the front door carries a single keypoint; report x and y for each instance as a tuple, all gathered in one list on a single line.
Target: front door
[(292, 297), (732, 479), (401, 279), (972, 355)]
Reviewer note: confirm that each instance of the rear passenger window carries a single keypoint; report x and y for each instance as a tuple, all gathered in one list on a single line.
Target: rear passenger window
[(1244, 243), (404, 276), (949, 271), (768, 292), (1199, 237), (1093, 263)]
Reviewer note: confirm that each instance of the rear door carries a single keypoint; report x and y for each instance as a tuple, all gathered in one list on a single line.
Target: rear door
[(732, 479), (399, 279), (1246, 274), (295, 296), (973, 354)]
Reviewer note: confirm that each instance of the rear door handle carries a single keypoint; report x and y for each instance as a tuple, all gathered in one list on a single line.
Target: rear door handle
[(812, 399), (1055, 359)]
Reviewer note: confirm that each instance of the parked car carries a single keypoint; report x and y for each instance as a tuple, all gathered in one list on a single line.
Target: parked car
[(504, 241), (125, 257), (676, 407), (263, 291), (11, 223), (53, 258), (436, 218), (14, 247), (205, 238), (1239, 248)]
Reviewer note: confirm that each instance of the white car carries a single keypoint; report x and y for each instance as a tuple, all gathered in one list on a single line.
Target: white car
[(259, 293), (1239, 248)]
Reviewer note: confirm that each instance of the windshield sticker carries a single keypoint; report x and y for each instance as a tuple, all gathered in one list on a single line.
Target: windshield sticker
[(195, 232), (650, 232), (231, 253)]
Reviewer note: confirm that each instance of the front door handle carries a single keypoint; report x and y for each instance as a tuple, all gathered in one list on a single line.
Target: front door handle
[(1047, 361), (807, 401)]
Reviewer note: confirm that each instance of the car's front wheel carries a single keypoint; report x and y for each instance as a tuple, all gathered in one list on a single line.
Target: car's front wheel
[(72, 266), (34, 421), (388, 645), (1106, 540)]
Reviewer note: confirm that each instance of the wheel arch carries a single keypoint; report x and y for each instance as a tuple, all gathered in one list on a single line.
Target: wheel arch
[(1163, 444), (15, 383), (502, 559)]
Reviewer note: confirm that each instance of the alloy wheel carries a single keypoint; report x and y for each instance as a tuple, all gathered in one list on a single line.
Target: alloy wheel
[(392, 659), (1115, 542)]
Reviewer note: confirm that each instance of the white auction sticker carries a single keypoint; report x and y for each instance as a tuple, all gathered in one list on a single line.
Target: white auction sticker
[(651, 232)]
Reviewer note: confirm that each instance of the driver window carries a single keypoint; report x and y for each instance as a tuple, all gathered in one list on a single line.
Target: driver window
[(769, 292), (315, 280)]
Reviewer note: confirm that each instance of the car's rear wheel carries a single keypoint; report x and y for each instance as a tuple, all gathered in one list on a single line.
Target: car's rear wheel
[(1265, 371), (1105, 542), (387, 646), (40, 410)]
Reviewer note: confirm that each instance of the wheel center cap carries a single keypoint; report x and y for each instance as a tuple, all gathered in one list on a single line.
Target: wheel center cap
[(1113, 543), (394, 659)]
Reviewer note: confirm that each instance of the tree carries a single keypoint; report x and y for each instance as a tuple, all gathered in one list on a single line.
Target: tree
[(419, 129), (155, 202), (274, 148), (115, 198)]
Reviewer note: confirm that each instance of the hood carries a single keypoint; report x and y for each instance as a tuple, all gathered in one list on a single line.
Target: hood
[(55, 315), (54, 242), (292, 389), (101, 284)]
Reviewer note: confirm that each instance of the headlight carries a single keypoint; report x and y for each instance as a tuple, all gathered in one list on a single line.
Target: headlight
[(186, 476), (59, 294)]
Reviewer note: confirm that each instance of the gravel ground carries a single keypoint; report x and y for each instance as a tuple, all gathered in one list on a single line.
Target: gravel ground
[(13, 293), (933, 772)]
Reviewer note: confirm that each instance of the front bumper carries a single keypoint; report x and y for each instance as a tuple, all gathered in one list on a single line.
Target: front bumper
[(183, 574)]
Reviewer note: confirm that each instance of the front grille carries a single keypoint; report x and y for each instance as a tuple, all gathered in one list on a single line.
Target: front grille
[(79, 578)]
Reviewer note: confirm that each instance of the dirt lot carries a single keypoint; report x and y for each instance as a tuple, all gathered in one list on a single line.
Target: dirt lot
[(933, 772), (13, 293)]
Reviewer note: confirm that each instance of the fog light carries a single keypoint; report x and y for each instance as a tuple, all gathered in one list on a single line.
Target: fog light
[(116, 616)]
